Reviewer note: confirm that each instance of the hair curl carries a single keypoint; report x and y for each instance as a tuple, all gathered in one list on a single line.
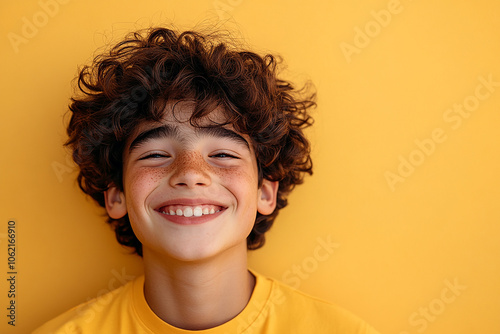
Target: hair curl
[(133, 82)]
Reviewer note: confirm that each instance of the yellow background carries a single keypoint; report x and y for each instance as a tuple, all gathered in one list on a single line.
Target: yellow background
[(398, 248)]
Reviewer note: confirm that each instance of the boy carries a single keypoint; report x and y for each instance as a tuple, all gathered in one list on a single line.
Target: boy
[(192, 146)]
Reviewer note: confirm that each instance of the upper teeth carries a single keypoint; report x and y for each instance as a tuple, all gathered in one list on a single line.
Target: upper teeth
[(188, 211)]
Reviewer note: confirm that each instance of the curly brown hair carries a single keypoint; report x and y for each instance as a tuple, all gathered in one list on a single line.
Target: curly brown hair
[(134, 81)]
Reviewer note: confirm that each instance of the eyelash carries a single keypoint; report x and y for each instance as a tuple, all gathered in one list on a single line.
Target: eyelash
[(160, 155), (224, 155), (154, 156)]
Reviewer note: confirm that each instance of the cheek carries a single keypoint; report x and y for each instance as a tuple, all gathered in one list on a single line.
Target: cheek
[(233, 174), (237, 178), (141, 182), (243, 185)]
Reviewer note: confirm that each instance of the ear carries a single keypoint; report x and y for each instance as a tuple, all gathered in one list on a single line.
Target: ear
[(267, 197), (115, 202)]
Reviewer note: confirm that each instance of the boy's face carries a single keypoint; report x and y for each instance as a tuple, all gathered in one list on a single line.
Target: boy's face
[(190, 193)]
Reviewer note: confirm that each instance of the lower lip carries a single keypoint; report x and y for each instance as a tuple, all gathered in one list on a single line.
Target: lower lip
[(181, 220)]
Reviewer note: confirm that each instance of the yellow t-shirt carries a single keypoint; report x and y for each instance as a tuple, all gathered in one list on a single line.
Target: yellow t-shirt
[(274, 308)]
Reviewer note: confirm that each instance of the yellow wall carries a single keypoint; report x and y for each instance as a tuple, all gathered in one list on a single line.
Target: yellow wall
[(414, 246)]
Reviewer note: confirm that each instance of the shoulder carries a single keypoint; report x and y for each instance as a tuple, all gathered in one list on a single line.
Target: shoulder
[(90, 316), (309, 314)]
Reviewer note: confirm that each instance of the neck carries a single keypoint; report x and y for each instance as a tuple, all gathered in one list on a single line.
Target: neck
[(198, 295)]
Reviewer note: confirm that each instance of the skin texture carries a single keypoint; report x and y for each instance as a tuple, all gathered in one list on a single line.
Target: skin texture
[(196, 273)]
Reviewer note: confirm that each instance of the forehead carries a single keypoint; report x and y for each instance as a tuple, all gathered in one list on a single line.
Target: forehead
[(176, 123), (179, 113)]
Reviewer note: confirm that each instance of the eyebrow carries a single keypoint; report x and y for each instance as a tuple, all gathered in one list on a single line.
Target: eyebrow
[(223, 133), (168, 131), (163, 131)]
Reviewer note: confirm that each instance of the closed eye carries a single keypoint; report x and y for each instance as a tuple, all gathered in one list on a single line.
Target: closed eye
[(223, 155), (155, 156)]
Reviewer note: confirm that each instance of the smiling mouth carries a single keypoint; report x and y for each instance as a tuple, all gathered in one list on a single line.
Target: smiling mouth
[(190, 211)]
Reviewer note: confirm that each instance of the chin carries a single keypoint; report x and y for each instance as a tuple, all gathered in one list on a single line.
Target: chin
[(191, 252)]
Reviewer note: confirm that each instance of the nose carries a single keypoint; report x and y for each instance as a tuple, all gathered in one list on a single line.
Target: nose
[(190, 170)]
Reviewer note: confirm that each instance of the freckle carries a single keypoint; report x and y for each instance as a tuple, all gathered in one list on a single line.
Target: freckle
[(156, 175)]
